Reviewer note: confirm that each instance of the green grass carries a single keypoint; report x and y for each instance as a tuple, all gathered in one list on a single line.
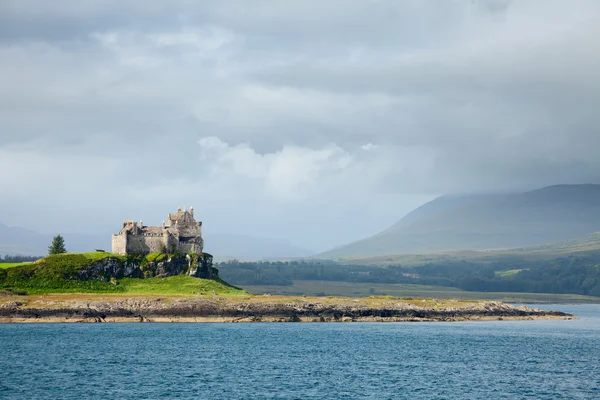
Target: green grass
[(179, 285), (152, 257), (352, 289), (89, 256), (173, 285), (11, 265), (53, 274), (81, 258)]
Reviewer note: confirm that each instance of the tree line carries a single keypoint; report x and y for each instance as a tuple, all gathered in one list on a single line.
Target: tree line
[(573, 274), (17, 258)]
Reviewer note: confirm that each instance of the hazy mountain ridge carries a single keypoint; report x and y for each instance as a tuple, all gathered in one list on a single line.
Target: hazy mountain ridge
[(15, 240), (480, 222), (581, 246)]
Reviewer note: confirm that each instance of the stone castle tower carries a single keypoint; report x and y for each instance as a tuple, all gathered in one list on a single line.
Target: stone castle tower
[(180, 233)]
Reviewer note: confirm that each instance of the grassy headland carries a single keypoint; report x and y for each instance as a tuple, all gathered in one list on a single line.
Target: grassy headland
[(60, 274), (104, 287)]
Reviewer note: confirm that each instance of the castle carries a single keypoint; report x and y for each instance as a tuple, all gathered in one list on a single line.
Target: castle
[(180, 233)]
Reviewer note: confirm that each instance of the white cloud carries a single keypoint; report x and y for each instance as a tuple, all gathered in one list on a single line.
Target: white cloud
[(368, 146), (292, 173)]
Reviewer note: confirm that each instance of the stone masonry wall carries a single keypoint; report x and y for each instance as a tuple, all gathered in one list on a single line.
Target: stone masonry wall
[(119, 244), (189, 229), (139, 244)]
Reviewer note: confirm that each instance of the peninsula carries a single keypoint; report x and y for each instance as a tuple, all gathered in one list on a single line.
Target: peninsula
[(157, 287), (162, 274)]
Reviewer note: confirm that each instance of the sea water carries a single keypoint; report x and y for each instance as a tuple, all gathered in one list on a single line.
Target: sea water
[(458, 360)]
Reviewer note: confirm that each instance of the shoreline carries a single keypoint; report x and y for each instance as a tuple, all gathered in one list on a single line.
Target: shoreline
[(221, 320), (91, 308)]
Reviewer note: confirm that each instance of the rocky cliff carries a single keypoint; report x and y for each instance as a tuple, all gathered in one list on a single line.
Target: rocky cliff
[(160, 266)]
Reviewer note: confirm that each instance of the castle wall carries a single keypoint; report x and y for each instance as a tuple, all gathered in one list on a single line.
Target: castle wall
[(189, 248), (119, 244), (181, 233), (171, 243), (189, 229), (142, 244)]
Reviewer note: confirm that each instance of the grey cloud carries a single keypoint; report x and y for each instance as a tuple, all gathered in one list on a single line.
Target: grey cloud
[(453, 96), (268, 24)]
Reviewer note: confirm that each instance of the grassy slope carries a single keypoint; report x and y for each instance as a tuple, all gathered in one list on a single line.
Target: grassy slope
[(352, 289), (581, 244), (47, 276), (179, 285), (11, 265), (549, 251)]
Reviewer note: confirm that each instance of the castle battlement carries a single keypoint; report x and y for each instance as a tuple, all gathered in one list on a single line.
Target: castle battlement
[(180, 233)]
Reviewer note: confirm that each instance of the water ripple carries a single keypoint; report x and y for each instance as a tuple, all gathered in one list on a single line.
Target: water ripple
[(493, 360)]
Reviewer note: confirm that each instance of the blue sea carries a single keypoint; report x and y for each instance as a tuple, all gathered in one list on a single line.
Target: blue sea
[(459, 360)]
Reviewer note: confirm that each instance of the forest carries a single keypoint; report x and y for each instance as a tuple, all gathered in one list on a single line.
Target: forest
[(17, 258), (575, 274)]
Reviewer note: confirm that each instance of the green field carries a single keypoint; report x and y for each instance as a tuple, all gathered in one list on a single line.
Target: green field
[(11, 265), (178, 285), (336, 288), (92, 256), (175, 285), (508, 272)]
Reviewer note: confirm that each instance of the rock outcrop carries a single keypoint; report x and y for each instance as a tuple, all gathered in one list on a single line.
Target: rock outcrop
[(253, 309), (161, 267)]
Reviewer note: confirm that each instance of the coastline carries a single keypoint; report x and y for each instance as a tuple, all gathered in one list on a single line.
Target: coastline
[(69, 308), (175, 319)]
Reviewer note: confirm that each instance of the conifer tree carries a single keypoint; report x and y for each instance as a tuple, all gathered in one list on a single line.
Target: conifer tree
[(57, 246)]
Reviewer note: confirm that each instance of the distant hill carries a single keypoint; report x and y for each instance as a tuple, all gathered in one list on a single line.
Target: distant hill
[(14, 240), (575, 247), (482, 222)]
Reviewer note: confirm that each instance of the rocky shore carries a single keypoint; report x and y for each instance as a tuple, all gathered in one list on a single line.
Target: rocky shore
[(96, 308)]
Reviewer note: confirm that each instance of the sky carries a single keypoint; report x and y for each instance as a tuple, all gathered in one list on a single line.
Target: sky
[(317, 122)]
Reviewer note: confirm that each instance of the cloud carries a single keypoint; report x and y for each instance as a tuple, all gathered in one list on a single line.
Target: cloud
[(291, 173), (321, 123), (295, 173)]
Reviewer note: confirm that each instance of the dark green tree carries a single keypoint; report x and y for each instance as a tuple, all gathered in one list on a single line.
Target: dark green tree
[(57, 246)]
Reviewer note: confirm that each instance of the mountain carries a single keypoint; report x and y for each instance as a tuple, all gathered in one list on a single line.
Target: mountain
[(585, 244), (22, 241), (481, 222), (14, 240), (581, 246)]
